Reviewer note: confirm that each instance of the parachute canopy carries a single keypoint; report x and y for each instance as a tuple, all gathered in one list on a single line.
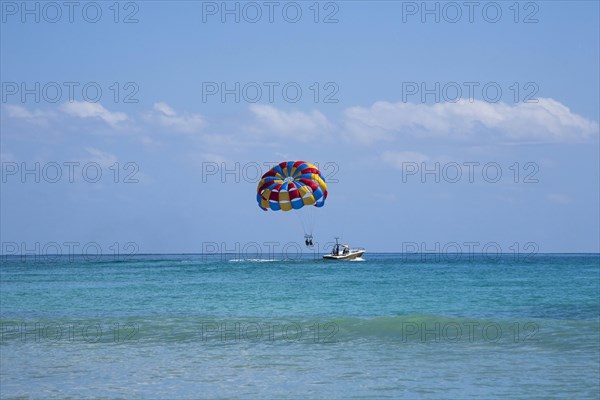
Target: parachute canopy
[(291, 185)]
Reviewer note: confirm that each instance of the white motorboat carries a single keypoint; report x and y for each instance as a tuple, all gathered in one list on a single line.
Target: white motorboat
[(343, 252)]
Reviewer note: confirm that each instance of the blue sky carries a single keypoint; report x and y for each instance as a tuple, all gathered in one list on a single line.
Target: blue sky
[(373, 125)]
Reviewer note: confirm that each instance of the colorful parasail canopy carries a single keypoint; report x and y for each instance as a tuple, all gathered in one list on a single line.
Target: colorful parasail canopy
[(291, 185)]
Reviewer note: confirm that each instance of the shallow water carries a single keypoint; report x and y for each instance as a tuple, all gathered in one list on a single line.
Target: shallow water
[(194, 326)]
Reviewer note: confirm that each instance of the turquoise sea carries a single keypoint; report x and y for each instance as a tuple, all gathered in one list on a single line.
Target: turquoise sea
[(393, 326)]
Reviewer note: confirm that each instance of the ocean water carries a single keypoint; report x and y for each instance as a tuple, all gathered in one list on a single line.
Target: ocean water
[(393, 326)]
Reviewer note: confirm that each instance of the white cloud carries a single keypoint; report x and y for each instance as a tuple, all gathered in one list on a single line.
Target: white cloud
[(550, 120), (474, 122), (293, 124), (167, 117), (165, 109), (84, 109), (98, 156), (20, 112), (547, 121)]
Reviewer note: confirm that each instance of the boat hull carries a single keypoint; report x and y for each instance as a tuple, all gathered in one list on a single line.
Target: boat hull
[(350, 256)]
